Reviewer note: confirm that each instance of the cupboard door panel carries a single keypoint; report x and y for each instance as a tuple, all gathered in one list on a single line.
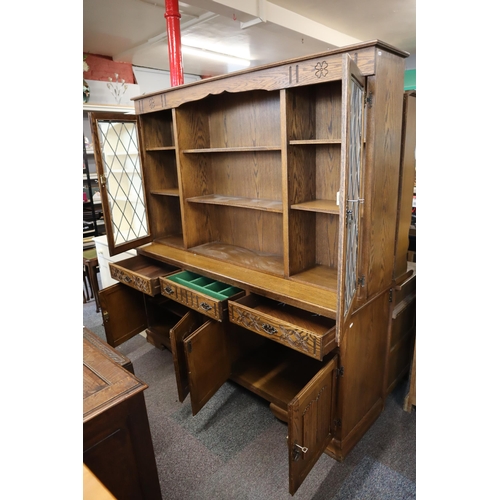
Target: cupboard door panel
[(208, 362), (310, 417), (123, 313), (187, 325)]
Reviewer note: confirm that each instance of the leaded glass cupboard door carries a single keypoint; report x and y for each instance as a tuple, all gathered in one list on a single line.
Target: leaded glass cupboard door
[(121, 180), (351, 199)]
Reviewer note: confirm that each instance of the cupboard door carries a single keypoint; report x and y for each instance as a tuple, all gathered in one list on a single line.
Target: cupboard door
[(310, 420), (208, 362), (121, 180), (351, 198), (187, 325), (123, 313)]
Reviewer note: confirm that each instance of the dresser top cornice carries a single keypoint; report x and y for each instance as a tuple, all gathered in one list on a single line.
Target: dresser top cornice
[(174, 96)]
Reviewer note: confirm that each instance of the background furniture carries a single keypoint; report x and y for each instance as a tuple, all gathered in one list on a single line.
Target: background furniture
[(117, 444), (91, 268), (266, 254), (104, 258)]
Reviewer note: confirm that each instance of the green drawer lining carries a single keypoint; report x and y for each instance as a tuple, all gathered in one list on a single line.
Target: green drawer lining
[(202, 284)]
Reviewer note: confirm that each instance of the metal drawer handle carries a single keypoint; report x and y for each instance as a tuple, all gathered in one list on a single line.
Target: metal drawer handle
[(127, 279), (169, 290), (205, 306), (269, 329)]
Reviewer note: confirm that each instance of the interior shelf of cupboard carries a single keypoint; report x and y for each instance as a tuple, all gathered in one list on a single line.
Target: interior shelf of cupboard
[(270, 371), (319, 300)]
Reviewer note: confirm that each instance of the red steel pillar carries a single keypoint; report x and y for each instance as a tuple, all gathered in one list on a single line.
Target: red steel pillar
[(172, 15)]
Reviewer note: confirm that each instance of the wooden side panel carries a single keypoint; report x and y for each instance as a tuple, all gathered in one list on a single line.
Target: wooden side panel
[(117, 448), (407, 181), (208, 362), (310, 419), (123, 313), (187, 325), (363, 355), (383, 146)]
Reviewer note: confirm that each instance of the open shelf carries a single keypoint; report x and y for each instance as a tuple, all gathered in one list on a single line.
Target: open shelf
[(160, 148), (324, 206), (314, 142), (321, 276), (242, 149), (175, 240), (166, 192), (232, 201), (241, 257)]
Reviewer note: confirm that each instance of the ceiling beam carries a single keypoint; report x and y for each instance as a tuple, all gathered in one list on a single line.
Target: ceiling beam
[(268, 12)]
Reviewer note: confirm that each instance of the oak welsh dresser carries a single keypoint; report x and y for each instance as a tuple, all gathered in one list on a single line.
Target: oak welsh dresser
[(264, 209)]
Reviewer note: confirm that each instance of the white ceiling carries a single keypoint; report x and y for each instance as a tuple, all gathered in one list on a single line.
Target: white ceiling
[(262, 31)]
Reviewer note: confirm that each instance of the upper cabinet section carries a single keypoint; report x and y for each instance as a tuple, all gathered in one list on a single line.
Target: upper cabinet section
[(270, 179)]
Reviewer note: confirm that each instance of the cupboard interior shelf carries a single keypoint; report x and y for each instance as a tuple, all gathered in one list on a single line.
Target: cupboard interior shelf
[(241, 149), (279, 382), (324, 206), (233, 201)]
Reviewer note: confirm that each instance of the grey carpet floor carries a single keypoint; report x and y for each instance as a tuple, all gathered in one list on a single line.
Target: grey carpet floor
[(235, 449)]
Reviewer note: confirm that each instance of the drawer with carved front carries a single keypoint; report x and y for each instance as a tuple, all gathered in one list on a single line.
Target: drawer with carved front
[(200, 293), (301, 330), (141, 273)]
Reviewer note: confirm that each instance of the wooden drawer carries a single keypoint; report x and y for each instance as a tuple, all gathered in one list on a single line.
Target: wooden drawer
[(141, 273), (303, 331), (200, 293)]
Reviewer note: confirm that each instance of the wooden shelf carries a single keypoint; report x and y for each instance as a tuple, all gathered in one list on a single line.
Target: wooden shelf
[(166, 192), (161, 148), (323, 206), (242, 257), (314, 142), (241, 149), (279, 382), (233, 201), (321, 276)]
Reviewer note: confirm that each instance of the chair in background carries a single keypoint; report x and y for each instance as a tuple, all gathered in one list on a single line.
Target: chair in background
[(90, 270)]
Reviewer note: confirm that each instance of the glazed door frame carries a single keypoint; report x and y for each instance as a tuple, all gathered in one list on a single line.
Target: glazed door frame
[(125, 203), (351, 196)]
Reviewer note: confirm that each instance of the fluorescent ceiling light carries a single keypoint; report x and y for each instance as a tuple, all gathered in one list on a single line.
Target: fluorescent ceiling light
[(215, 56)]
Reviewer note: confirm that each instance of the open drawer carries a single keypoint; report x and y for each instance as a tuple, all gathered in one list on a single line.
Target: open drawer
[(141, 273), (206, 354), (306, 332), (205, 295)]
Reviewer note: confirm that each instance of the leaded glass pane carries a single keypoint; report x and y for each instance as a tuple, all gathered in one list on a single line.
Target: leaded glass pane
[(120, 153), (353, 191)]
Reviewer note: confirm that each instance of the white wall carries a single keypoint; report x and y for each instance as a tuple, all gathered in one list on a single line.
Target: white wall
[(153, 80)]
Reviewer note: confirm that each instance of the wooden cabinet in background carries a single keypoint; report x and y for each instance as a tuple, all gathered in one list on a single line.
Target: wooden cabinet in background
[(117, 444), (278, 186)]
